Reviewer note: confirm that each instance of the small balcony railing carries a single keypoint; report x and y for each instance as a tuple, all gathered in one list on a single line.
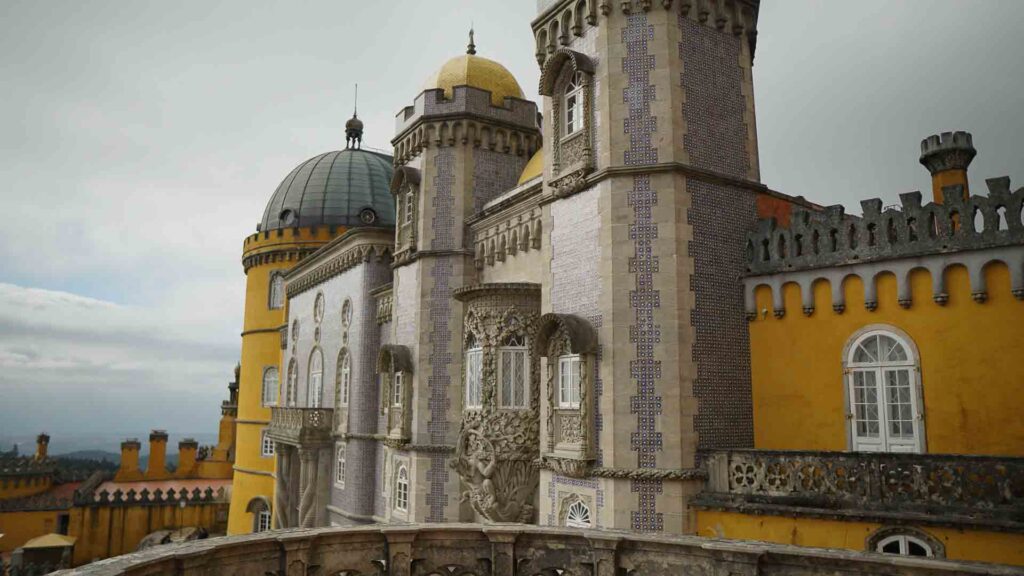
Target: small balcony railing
[(973, 490), (301, 426)]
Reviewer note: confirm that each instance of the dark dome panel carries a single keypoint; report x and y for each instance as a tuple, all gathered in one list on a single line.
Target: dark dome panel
[(334, 189)]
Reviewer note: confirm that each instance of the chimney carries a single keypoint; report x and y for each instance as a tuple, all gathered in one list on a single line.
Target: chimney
[(946, 157), (157, 468), (129, 470), (42, 445), (187, 450)]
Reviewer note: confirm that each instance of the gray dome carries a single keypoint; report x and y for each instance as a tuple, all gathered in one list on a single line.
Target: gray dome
[(334, 189)]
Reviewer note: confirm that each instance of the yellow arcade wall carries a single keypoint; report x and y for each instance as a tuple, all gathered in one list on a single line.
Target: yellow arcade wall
[(261, 347), (978, 546), (972, 376), (20, 487), (20, 527)]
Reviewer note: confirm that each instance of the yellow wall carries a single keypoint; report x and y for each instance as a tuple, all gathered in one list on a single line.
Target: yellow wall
[(971, 370), (21, 486), (261, 347), (1000, 547), (20, 527), (105, 531)]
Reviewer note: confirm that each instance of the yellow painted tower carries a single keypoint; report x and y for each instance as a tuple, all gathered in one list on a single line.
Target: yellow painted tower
[(317, 201)]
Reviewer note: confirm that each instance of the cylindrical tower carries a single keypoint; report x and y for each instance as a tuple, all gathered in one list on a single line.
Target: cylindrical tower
[(318, 201)]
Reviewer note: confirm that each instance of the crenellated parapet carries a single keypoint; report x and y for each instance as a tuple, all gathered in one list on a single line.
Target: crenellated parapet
[(468, 117), (562, 20), (357, 246), (158, 497), (830, 237)]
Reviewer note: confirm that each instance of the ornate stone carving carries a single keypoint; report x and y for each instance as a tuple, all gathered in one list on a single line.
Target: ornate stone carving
[(570, 184)]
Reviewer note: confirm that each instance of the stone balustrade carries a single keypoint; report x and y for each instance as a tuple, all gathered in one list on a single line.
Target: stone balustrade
[(301, 426), (505, 549), (975, 491)]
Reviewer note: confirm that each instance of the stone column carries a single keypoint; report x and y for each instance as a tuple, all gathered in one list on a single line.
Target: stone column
[(605, 555), (399, 550), (307, 486), (282, 499), (503, 543)]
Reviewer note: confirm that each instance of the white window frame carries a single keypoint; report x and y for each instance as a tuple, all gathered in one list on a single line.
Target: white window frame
[(339, 470), (396, 389), (345, 377), (275, 300), (878, 372), (573, 102), (409, 207), (904, 541), (570, 382), (474, 378), (402, 489), (263, 521), (271, 388), (315, 380), (577, 506), (291, 383), (524, 367), (267, 447)]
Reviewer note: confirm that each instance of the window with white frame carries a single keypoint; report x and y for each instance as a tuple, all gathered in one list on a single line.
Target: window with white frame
[(316, 380), (883, 394), (276, 299), (339, 470), (396, 390), (292, 384), (578, 515), (904, 545), (410, 204), (402, 489), (574, 104), (266, 444), (474, 375), (271, 385), (513, 374), (344, 377), (569, 379), (263, 520)]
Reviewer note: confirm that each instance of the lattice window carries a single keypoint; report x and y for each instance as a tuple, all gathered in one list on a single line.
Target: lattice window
[(574, 104), (263, 521), (276, 299), (569, 378), (339, 470), (271, 385), (315, 388), (474, 376), (905, 545), (344, 377), (266, 444), (883, 398), (292, 384), (514, 374), (578, 515), (402, 489)]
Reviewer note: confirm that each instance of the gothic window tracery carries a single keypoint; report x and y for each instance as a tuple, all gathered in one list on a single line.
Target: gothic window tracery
[(514, 374), (344, 383), (402, 489), (292, 383), (574, 104), (270, 385), (474, 374), (339, 470), (315, 387)]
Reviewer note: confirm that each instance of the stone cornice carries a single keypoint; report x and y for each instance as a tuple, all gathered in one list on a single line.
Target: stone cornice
[(472, 292), (347, 251)]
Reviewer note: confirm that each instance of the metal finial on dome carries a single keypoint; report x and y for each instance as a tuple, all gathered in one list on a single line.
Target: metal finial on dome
[(354, 126), (471, 48)]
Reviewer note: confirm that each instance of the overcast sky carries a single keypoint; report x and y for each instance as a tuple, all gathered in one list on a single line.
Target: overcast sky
[(141, 140)]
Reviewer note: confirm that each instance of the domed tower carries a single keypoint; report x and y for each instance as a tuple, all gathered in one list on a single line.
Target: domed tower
[(317, 201)]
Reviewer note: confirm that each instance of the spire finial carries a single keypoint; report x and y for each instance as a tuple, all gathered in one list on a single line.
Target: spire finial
[(355, 103), (354, 126), (471, 48)]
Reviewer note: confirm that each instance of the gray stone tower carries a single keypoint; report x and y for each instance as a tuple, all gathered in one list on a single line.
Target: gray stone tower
[(651, 157)]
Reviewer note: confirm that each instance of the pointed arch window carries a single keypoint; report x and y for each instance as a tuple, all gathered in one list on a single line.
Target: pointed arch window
[(344, 382), (402, 489), (271, 385), (513, 374), (339, 470), (474, 374), (292, 383), (574, 104), (315, 387), (883, 392)]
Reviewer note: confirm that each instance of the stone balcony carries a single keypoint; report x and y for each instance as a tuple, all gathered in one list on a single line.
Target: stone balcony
[(505, 550), (938, 489), (301, 426)]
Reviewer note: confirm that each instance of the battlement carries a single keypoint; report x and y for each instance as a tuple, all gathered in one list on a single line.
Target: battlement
[(157, 497), (466, 100), (818, 239), (948, 151)]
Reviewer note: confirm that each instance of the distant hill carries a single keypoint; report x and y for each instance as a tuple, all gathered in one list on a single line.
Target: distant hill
[(91, 455)]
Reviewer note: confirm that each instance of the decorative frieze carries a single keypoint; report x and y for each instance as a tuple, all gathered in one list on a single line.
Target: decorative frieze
[(301, 426), (518, 231)]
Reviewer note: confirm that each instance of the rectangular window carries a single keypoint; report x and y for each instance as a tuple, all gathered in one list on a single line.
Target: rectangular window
[(474, 378), (569, 382), (266, 444), (409, 201), (339, 472), (263, 521), (513, 374), (396, 398)]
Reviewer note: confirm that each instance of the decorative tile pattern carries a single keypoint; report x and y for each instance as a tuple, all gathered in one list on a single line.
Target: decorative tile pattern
[(552, 494), (720, 217), (647, 518), (443, 224), (494, 173), (639, 92)]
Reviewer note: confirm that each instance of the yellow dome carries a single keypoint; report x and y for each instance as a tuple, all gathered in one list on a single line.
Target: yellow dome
[(533, 168), (478, 72)]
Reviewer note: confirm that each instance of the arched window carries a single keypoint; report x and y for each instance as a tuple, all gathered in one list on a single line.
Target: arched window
[(339, 470), (270, 385), (316, 380), (574, 104), (276, 298), (344, 382), (474, 374), (569, 381), (578, 515), (402, 489), (513, 374), (883, 394), (905, 546), (292, 385), (260, 510)]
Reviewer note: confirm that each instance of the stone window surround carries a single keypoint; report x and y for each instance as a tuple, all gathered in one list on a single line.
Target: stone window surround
[(316, 352), (276, 388), (267, 448), (395, 362), (401, 504), (259, 507), (878, 538), (339, 467), (572, 155), (405, 187), (275, 290)]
